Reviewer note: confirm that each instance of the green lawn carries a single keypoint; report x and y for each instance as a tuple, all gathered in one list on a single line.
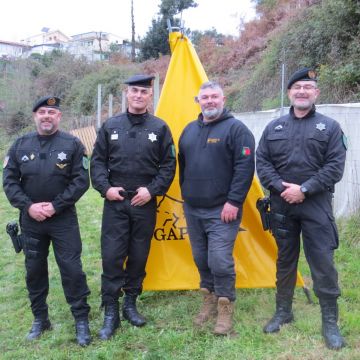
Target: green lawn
[(169, 333)]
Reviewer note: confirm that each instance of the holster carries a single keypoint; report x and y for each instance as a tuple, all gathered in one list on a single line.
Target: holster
[(263, 206), (21, 241), (12, 229)]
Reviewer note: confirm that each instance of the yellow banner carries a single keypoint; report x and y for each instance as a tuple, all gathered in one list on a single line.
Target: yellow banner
[(170, 265)]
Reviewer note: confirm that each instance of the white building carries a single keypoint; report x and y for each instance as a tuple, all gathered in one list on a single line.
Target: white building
[(10, 50), (93, 45), (49, 37), (96, 45)]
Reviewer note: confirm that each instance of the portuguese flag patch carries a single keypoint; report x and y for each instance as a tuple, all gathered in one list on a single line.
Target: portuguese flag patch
[(246, 151)]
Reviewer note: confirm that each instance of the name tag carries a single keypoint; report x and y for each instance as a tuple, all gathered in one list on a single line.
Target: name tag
[(114, 136)]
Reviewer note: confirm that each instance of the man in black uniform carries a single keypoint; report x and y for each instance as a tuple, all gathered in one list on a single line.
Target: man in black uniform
[(45, 174), (216, 161), (300, 157), (133, 161)]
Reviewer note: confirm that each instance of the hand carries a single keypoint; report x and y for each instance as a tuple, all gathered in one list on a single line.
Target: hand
[(49, 208), (113, 194), (141, 198), (229, 213), (292, 194), (40, 211)]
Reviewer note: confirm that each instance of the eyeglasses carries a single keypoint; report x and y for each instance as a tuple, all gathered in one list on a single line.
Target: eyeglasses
[(207, 97), (307, 87)]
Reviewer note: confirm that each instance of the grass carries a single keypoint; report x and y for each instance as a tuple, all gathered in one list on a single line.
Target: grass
[(169, 333)]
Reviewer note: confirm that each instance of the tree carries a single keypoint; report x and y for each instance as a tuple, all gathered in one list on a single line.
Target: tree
[(196, 36), (155, 42)]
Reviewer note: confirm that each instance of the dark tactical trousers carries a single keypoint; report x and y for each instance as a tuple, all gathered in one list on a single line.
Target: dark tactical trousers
[(212, 245), (63, 231), (314, 220), (125, 244)]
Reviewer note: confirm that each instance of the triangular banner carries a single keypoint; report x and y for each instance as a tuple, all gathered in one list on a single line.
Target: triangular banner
[(170, 265)]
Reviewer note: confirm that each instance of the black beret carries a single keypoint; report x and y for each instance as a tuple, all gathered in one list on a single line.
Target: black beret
[(47, 101), (304, 74), (140, 80)]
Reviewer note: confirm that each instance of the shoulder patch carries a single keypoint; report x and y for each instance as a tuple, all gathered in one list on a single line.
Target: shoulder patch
[(344, 141), (173, 151), (245, 151), (85, 162), (6, 160)]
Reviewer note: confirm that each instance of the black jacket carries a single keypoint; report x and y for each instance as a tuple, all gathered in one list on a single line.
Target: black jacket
[(216, 162), (51, 168), (310, 151), (133, 151)]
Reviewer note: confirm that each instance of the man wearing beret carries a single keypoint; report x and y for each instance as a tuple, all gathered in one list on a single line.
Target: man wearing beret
[(133, 162), (300, 158), (45, 174)]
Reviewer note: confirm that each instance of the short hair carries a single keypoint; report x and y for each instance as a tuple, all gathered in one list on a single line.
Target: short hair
[(211, 85)]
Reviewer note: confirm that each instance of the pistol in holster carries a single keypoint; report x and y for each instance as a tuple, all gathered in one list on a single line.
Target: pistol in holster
[(263, 206), (12, 229), (22, 242)]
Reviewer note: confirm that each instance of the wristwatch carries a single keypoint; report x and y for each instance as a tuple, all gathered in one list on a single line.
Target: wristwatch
[(304, 190)]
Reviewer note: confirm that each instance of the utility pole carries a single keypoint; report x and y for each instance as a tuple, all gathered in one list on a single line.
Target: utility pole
[(98, 122), (132, 32), (282, 88), (99, 38)]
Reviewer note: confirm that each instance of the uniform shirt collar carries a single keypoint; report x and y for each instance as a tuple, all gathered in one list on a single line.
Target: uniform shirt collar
[(136, 118), (309, 114)]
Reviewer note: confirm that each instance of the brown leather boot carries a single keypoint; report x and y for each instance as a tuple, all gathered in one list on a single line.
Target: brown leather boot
[(208, 308), (224, 322)]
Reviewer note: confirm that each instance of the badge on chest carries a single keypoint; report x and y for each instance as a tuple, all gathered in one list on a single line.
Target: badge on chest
[(62, 156)]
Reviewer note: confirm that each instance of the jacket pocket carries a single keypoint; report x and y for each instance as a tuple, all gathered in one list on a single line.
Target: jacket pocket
[(335, 240), (279, 147)]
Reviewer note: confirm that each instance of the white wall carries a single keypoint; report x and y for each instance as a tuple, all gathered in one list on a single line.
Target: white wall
[(347, 191)]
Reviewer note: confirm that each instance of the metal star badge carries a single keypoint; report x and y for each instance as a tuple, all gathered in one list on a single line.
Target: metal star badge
[(61, 156), (152, 137), (321, 126)]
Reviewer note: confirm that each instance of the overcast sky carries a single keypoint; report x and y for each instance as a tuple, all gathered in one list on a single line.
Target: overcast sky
[(22, 18)]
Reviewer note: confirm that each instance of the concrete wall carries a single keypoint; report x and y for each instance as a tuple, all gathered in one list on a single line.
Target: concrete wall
[(347, 191)]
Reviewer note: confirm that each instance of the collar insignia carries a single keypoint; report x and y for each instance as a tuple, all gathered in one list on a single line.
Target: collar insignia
[(25, 158), (61, 156), (152, 137), (321, 126)]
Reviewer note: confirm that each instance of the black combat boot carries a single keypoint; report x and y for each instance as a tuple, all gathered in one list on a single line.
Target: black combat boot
[(111, 320), (39, 325), (83, 336), (130, 312), (330, 330), (283, 314)]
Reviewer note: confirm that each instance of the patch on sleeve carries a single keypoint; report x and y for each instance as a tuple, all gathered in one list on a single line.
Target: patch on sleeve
[(6, 160), (245, 151), (345, 141), (85, 162), (173, 152)]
